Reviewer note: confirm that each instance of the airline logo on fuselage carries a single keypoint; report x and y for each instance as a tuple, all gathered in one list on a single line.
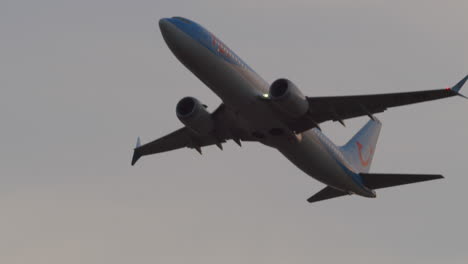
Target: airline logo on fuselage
[(364, 162), (220, 47), (225, 52)]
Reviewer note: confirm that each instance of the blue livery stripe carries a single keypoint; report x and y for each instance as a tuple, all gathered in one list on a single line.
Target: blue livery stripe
[(208, 40)]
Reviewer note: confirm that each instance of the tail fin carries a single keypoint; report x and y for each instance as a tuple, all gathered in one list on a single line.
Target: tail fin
[(360, 149)]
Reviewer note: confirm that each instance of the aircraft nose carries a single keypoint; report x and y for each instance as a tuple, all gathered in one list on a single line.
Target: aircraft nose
[(164, 24), (168, 31)]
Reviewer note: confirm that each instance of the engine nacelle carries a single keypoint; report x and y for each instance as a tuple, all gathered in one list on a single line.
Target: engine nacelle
[(288, 98), (194, 115)]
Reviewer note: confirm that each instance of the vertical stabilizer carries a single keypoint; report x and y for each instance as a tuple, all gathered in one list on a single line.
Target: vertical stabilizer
[(360, 149)]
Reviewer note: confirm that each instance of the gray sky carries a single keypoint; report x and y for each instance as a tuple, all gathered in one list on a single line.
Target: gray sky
[(80, 80)]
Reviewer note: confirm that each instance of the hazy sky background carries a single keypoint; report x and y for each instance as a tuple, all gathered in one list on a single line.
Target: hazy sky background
[(80, 80)]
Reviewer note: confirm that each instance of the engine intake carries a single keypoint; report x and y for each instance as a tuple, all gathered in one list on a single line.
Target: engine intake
[(194, 115), (288, 98)]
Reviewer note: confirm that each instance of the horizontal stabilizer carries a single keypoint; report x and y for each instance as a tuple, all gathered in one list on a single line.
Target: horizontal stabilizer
[(383, 180), (375, 181), (326, 193)]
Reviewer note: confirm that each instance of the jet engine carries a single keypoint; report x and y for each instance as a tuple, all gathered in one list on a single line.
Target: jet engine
[(194, 115), (288, 98)]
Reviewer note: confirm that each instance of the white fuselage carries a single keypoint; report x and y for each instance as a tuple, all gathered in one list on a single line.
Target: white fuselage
[(241, 90)]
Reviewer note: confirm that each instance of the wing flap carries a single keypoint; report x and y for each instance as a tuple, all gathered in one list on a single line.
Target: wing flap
[(384, 180)]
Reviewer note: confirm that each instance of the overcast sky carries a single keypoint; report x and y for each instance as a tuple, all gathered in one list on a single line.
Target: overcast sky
[(80, 80)]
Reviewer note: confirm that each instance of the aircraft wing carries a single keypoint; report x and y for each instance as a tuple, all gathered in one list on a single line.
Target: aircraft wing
[(338, 108), (225, 129)]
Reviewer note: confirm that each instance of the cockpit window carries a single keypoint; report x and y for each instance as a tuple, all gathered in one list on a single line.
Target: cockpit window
[(183, 20)]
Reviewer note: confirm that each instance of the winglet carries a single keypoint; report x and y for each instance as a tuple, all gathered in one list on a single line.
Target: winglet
[(138, 144), (136, 154), (459, 85)]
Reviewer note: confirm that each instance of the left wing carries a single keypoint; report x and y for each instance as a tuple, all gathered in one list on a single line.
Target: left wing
[(225, 128), (338, 108)]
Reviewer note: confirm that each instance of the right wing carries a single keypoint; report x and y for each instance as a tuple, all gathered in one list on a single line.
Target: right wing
[(225, 128), (338, 108)]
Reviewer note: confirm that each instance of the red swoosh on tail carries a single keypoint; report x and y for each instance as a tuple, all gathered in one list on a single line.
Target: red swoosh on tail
[(364, 163)]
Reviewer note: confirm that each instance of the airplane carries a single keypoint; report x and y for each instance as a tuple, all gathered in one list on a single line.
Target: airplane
[(279, 116)]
